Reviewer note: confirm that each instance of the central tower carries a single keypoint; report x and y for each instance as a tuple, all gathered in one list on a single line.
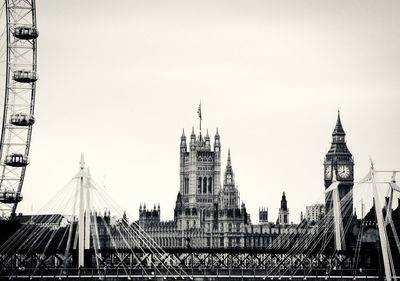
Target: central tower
[(200, 171)]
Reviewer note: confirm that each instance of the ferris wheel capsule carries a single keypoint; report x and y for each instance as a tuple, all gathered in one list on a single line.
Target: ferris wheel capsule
[(26, 33), (16, 160), (25, 76), (22, 119), (9, 197)]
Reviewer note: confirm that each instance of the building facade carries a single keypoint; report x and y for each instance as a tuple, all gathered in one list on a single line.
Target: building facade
[(315, 212)]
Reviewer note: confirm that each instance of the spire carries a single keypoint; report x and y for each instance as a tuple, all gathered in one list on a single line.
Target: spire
[(338, 128), (229, 177), (338, 145), (192, 135), (217, 134), (183, 141), (284, 202)]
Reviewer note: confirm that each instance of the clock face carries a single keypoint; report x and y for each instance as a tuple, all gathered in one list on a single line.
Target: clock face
[(343, 171), (328, 171)]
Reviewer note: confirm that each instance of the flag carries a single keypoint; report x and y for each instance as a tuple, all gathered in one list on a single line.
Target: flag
[(199, 111)]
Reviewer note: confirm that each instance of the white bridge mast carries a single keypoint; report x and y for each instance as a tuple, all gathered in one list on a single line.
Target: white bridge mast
[(81, 224)]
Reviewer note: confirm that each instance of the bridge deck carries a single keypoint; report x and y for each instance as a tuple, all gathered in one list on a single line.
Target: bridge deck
[(191, 274)]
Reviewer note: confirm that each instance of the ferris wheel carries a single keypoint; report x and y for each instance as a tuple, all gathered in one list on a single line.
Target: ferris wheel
[(18, 75)]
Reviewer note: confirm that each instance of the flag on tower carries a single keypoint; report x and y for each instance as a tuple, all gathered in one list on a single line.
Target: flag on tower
[(199, 111)]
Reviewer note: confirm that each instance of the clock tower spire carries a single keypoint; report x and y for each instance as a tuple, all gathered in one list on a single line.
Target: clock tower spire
[(338, 158)]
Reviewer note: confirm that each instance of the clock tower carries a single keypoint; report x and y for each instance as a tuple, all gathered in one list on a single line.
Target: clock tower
[(339, 162)]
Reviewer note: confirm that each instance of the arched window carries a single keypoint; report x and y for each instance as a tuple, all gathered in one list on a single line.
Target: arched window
[(199, 186), (210, 185), (205, 185)]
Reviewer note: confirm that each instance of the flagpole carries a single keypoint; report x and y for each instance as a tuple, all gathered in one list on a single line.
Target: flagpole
[(199, 113), (200, 124)]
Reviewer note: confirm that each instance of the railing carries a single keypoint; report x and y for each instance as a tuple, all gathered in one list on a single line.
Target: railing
[(192, 273)]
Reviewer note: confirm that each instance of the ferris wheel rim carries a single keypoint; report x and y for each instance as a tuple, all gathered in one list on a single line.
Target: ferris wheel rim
[(19, 101)]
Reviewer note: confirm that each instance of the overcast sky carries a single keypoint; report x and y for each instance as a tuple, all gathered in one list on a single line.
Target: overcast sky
[(119, 80)]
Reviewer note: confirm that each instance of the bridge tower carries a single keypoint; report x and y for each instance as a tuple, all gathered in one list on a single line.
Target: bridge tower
[(339, 163), (83, 185)]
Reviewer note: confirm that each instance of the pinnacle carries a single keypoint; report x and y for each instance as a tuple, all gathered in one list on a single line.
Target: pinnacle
[(338, 128), (216, 135)]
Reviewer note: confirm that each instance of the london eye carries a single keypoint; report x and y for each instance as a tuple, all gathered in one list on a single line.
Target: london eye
[(18, 75)]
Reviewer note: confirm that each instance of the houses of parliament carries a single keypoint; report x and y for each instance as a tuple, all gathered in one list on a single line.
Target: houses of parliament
[(208, 211)]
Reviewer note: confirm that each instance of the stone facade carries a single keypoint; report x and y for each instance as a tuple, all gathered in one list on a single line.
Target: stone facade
[(315, 212)]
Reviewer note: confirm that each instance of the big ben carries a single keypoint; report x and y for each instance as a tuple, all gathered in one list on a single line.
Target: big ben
[(339, 163)]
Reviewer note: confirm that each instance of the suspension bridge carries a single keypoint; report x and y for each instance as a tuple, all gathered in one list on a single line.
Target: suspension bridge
[(78, 241)]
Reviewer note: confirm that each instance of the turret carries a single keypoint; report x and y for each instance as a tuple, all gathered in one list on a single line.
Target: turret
[(192, 140), (183, 142), (263, 215), (217, 143), (207, 141)]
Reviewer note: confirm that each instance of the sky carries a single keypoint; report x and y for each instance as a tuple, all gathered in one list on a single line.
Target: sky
[(119, 80)]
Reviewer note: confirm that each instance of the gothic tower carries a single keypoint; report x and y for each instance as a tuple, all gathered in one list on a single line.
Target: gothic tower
[(283, 217), (339, 162), (199, 178)]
